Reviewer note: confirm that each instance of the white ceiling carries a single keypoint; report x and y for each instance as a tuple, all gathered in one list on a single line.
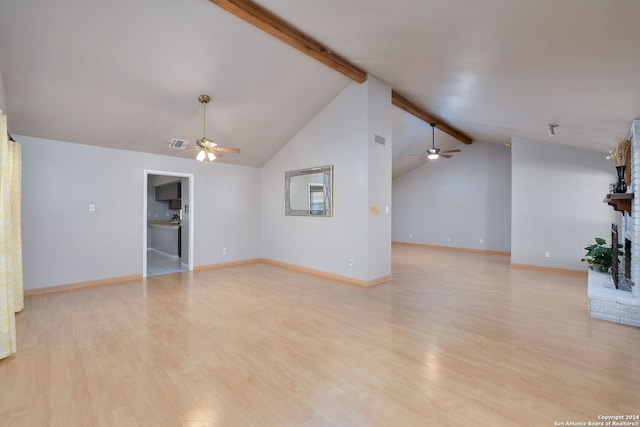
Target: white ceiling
[(127, 74)]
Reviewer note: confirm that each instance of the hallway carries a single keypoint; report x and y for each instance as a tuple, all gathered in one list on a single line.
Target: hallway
[(159, 263)]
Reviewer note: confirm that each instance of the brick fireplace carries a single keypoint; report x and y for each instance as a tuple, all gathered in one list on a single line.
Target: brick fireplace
[(632, 222), (606, 301)]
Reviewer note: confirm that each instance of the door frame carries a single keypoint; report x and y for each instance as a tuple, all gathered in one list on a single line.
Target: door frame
[(191, 212)]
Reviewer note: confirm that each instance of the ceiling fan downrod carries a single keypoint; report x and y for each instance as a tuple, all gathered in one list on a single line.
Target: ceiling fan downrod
[(433, 153)]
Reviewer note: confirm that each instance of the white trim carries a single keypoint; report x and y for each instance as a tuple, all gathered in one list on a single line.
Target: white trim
[(191, 177)]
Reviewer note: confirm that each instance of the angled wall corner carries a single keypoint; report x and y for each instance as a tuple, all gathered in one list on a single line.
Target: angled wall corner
[(462, 202), (339, 135)]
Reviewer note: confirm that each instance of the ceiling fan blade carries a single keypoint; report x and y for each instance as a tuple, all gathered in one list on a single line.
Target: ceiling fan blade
[(455, 150), (227, 150), (446, 156)]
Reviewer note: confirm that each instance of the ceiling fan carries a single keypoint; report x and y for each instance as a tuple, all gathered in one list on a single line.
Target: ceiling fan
[(433, 152), (207, 148)]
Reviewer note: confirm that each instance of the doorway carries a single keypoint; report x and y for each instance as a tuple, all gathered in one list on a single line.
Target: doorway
[(167, 232)]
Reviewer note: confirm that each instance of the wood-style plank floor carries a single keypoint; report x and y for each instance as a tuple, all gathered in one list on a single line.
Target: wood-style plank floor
[(456, 339)]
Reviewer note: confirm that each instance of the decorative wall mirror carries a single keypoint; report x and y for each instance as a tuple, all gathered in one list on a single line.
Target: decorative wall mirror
[(308, 192)]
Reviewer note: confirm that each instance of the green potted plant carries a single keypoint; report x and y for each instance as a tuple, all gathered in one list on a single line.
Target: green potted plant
[(599, 256)]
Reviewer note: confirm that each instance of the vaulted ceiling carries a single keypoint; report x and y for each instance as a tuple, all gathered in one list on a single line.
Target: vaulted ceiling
[(127, 74)]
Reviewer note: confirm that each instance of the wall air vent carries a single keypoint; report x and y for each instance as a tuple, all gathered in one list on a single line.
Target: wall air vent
[(178, 144), (379, 140)]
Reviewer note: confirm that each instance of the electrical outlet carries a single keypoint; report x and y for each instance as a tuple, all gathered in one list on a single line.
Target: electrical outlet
[(481, 241), (547, 254), (350, 263), (411, 235), (225, 251), (448, 239), (92, 207)]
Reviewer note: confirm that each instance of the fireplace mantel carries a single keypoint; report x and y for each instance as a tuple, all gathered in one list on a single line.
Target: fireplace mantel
[(621, 202)]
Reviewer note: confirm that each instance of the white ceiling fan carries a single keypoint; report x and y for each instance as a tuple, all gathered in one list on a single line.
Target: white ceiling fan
[(433, 153), (207, 148)]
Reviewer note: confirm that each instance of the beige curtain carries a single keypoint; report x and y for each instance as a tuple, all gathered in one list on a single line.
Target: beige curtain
[(11, 286)]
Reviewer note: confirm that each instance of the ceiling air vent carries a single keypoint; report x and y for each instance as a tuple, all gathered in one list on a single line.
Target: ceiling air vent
[(379, 140), (178, 144)]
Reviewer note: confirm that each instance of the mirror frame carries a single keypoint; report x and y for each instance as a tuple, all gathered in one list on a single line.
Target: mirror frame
[(327, 179)]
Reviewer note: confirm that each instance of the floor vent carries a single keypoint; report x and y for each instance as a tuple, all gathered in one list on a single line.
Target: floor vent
[(178, 144)]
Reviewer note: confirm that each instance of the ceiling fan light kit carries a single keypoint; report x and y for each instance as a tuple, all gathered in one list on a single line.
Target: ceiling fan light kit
[(434, 153)]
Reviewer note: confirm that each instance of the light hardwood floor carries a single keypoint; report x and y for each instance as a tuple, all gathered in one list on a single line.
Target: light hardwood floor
[(456, 339)]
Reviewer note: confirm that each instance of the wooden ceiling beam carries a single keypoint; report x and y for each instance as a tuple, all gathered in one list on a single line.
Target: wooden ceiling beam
[(270, 23), (278, 28), (412, 108)]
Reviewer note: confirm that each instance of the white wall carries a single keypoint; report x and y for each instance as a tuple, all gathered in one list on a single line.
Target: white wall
[(340, 136), (557, 203), (380, 178), (3, 98), (456, 202), (64, 243)]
